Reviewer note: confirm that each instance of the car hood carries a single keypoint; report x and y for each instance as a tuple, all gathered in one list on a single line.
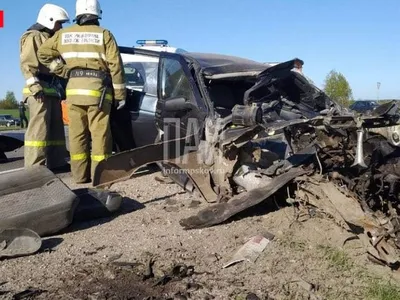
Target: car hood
[(284, 89)]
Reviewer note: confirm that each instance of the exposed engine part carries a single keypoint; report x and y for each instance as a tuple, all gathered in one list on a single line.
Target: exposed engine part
[(247, 115), (249, 178), (392, 133), (205, 153), (359, 159)]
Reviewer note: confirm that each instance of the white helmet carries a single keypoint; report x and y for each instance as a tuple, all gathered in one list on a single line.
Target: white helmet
[(91, 7), (49, 14)]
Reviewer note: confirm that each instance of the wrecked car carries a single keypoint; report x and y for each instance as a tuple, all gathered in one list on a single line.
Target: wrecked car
[(239, 132), (223, 98)]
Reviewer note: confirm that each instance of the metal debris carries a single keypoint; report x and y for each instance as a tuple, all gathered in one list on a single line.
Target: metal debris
[(373, 231), (221, 212), (251, 249)]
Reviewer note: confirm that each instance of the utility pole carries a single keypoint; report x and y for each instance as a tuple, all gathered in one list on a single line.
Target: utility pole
[(378, 85)]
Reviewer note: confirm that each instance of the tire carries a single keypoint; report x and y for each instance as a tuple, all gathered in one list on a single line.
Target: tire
[(8, 124)]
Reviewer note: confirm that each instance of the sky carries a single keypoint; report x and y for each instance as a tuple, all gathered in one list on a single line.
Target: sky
[(359, 38)]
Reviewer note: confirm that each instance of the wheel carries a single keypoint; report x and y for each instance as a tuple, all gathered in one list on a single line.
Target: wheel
[(8, 124)]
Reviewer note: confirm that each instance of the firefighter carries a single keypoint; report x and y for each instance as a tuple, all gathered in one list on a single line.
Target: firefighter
[(44, 137), (96, 81)]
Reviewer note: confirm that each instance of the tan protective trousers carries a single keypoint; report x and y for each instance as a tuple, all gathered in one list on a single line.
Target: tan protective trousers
[(85, 122), (45, 136)]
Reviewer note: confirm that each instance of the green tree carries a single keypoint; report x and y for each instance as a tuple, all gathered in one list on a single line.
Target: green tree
[(338, 88), (9, 102)]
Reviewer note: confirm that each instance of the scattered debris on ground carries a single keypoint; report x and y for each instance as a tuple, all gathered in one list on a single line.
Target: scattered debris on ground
[(116, 257), (317, 221), (251, 249)]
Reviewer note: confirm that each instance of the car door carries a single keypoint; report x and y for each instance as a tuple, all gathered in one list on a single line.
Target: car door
[(180, 110), (180, 113), (141, 81)]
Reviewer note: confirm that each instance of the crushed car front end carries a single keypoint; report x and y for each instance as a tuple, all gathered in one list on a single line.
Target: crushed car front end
[(268, 130)]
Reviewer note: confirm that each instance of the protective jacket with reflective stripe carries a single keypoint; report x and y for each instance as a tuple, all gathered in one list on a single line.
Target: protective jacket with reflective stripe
[(31, 68), (85, 47)]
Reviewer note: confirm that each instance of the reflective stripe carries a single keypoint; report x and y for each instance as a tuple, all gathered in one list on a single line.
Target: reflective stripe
[(68, 55), (32, 80), (82, 92), (80, 156), (35, 143), (99, 157), (47, 91), (44, 143), (119, 86)]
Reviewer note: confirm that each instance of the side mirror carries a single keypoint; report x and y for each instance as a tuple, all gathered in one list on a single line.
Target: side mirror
[(177, 104)]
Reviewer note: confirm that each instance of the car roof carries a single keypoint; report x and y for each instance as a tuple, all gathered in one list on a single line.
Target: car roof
[(214, 66), (161, 49), (219, 66)]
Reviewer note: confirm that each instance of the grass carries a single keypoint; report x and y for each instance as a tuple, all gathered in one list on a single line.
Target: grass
[(337, 258), (13, 112), (378, 289)]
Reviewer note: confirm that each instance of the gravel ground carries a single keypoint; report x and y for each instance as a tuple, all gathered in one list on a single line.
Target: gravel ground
[(109, 258)]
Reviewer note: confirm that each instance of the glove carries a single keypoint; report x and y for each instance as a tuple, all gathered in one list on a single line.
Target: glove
[(39, 96), (37, 92), (119, 104)]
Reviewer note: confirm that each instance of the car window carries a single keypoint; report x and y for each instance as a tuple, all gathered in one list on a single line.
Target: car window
[(142, 76), (133, 77), (141, 72), (174, 82)]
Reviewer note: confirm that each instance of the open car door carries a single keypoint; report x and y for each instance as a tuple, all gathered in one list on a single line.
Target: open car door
[(179, 111), (179, 119), (141, 69)]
